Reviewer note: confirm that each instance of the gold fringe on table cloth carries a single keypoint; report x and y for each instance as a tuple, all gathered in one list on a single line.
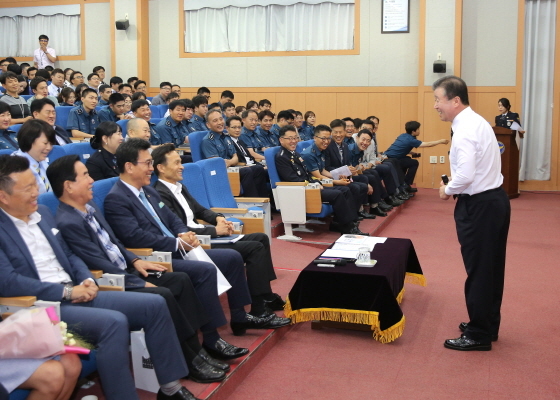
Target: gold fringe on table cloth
[(417, 279)]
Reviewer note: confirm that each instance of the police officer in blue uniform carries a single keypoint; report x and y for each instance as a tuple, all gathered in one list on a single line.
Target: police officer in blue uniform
[(114, 111), (8, 138), (84, 120), (266, 118), (249, 136), (171, 129), (216, 144), (200, 104), (291, 168)]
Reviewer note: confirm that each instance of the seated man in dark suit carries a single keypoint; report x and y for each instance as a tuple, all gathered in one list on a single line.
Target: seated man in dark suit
[(90, 237), (35, 261), (254, 248), (45, 109), (234, 125), (291, 168), (140, 219)]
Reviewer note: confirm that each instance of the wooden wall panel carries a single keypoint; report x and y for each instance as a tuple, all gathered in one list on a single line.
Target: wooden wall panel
[(353, 105), (324, 106)]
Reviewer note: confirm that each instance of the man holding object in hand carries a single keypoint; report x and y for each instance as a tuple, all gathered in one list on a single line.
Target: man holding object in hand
[(44, 55)]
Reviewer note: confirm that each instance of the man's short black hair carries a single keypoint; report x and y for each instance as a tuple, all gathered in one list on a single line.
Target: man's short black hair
[(102, 88), (11, 60), (234, 118), (411, 126), (201, 90), (188, 103), (199, 100), (128, 152), (123, 85), (264, 102), (346, 119), (164, 84), (48, 68), (115, 80), (265, 113), (38, 104), (246, 113), (72, 75), (160, 155), (228, 104), (86, 91), (321, 128), (132, 79), (214, 105), (31, 130), (98, 68), (337, 123), (92, 75), (35, 82), (367, 122), (24, 64), (7, 75), (298, 114), (31, 69), (357, 122), (228, 93), (177, 103), (365, 132), (286, 128), (43, 73), (138, 83), (172, 96), (61, 170), (11, 165), (57, 71), (16, 69), (43, 37), (21, 78), (136, 104), (139, 96), (284, 114), (453, 86), (115, 98)]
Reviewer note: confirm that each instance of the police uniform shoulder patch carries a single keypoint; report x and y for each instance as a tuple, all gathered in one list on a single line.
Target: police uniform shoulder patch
[(211, 136), (168, 123), (80, 110)]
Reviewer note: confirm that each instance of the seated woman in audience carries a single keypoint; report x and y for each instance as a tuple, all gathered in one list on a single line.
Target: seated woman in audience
[(36, 139), (253, 105), (78, 93), (8, 138), (103, 163), (67, 97), (239, 110), (67, 73), (139, 96), (308, 123), (127, 106)]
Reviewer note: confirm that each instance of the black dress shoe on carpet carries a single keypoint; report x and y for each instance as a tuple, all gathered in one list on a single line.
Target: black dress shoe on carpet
[(393, 201), (377, 211), (202, 372), (356, 231), (410, 189), (366, 215), (276, 303), (402, 196), (463, 328), (182, 394), (225, 350), (465, 344), (224, 366), (278, 322), (384, 206), (251, 322)]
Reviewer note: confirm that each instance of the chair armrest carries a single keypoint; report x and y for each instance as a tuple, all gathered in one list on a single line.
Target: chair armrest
[(327, 185), (313, 203), (167, 265), (291, 184), (141, 251), (234, 183), (19, 301), (230, 210), (108, 288), (96, 273), (252, 199)]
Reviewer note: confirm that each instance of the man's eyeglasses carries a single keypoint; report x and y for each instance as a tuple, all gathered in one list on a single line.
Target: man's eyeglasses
[(324, 139), (290, 138), (147, 163)]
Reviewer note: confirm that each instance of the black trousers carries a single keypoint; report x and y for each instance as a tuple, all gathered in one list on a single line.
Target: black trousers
[(482, 222), (255, 251), (342, 202), (389, 177), (396, 168), (374, 180), (409, 166), (186, 311), (253, 181), (359, 193)]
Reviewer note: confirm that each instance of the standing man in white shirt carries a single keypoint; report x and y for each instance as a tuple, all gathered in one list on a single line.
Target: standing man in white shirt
[(44, 55), (482, 212)]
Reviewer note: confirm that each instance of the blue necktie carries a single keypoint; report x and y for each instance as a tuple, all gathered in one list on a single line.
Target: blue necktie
[(152, 212)]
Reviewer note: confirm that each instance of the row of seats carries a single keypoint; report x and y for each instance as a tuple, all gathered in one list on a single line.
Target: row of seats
[(83, 149)]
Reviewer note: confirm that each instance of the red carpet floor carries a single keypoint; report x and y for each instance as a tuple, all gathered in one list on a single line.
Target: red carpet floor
[(524, 363)]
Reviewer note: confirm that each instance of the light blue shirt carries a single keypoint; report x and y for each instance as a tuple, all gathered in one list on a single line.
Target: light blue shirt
[(34, 164)]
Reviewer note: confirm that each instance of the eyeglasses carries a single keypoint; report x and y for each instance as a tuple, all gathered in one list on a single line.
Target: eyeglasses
[(4, 65), (44, 40), (78, 77), (290, 138), (324, 139), (147, 163)]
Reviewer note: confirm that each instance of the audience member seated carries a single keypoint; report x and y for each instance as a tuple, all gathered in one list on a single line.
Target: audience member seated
[(79, 90), (141, 109), (131, 81), (200, 104), (83, 120), (57, 82), (40, 90), (51, 272), (233, 127), (308, 124), (189, 112), (283, 118), (140, 86), (125, 88), (350, 130), (226, 97), (36, 139), (67, 97), (19, 109), (115, 110), (239, 110), (164, 90), (172, 129), (139, 218), (252, 105), (203, 91), (44, 109), (103, 163), (228, 110), (100, 71), (31, 71), (23, 85), (8, 138), (266, 120), (67, 74), (304, 134), (77, 78), (216, 144), (176, 89), (94, 82), (256, 143), (105, 92), (90, 237), (291, 168), (265, 105), (115, 82)]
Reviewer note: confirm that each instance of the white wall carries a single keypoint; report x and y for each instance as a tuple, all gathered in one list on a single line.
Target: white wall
[(489, 42), (384, 60), (126, 49), (440, 38)]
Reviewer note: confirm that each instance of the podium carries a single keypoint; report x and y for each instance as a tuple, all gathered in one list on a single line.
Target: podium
[(510, 160)]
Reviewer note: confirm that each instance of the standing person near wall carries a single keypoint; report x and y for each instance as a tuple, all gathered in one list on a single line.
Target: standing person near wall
[(482, 213), (44, 56)]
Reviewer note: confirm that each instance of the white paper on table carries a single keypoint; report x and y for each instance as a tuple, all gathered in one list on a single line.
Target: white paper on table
[(340, 253), (351, 246), (342, 171)]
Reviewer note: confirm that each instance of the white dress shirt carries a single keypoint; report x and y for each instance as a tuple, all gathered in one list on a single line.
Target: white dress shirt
[(474, 156), (54, 90), (48, 267), (248, 160), (41, 59), (176, 189)]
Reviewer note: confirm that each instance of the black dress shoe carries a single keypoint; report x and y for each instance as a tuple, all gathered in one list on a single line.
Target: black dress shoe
[(411, 189), (182, 394), (366, 215), (384, 206), (465, 344), (202, 372), (224, 366), (225, 351), (463, 328), (276, 304), (377, 211), (356, 231), (402, 196), (393, 201), (251, 322), (278, 322)]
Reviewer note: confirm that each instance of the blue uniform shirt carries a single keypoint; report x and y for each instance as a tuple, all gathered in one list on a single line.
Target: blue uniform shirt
[(253, 140), (171, 131), (349, 140), (402, 146), (305, 132), (81, 120), (190, 128), (217, 145), (102, 103), (106, 114), (276, 130), (155, 137), (269, 136), (8, 140), (355, 154), (313, 158), (198, 123)]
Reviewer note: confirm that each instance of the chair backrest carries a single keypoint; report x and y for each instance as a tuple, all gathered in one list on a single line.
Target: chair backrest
[(123, 123), (155, 120), (62, 113), (100, 190), (15, 127), (49, 199), (155, 112), (84, 150), (195, 143), (193, 180), (57, 152), (162, 109), (218, 190), (6, 151), (269, 155), (304, 145)]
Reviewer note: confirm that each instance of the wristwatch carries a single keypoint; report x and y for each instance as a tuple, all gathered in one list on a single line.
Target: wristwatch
[(67, 293)]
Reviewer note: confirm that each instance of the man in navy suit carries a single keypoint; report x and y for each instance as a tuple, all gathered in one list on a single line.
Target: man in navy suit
[(139, 218), (90, 237), (35, 261)]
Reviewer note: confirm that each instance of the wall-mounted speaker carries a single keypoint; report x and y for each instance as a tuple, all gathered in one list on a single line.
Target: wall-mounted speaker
[(122, 24), (439, 66)]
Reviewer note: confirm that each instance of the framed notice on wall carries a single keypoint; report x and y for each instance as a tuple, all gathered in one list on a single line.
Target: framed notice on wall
[(395, 16)]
